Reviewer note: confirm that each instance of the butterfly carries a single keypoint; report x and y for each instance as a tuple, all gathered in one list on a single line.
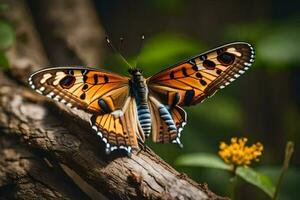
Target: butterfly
[(126, 110)]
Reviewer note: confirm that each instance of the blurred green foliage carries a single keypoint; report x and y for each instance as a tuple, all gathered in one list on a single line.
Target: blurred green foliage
[(4, 64), (164, 50), (7, 38), (7, 35)]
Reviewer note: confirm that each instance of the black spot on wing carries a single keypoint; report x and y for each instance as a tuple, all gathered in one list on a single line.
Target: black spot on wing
[(198, 75), (84, 78), (184, 72), (106, 79), (203, 82), (208, 64), (82, 96), (102, 104), (95, 77), (176, 98), (67, 82), (172, 76), (85, 86), (218, 71), (188, 97), (195, 68), (226, 58)]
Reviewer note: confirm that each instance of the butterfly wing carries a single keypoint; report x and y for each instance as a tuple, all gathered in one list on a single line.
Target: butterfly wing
[(119, 129), (104, 94), (167, 122), (192, 81), (89, 89)]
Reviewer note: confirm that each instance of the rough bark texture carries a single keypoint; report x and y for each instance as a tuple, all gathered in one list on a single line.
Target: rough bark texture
[(48, 151)]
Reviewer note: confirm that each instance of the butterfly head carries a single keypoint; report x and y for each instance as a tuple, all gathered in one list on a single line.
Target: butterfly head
[(135, 72)]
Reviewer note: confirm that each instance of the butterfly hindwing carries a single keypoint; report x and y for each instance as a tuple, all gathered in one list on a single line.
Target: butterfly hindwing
[(167, 122), (92, 90), (192, 81), (119, 129)]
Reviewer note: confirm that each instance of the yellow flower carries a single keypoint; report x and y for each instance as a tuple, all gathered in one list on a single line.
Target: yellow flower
[(237, 153)]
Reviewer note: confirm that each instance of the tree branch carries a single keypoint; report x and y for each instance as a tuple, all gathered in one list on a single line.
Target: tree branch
[(69, 139)]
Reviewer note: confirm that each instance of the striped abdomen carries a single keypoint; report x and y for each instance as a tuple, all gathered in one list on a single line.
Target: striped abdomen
[(144, 118), (140, 92)]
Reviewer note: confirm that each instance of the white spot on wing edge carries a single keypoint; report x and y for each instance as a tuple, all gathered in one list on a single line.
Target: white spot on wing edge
[(45, 78), (38, 91), (50, 95), (69, 104), (56, 98), (109, 148), (42, 89), (247, 64)]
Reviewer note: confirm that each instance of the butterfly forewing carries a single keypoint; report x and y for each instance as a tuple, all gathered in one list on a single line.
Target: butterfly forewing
[(88, 89), (191, 81)]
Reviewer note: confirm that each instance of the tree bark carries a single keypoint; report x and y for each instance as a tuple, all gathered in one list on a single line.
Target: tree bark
[(48, 151)]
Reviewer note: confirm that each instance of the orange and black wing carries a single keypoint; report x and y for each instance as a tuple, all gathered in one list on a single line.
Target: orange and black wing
[(192, 81), (92, 90), (104, 94), (118, 129), (167, 122)]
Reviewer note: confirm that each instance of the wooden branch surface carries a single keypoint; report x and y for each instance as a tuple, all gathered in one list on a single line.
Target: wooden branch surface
[(38, 136)]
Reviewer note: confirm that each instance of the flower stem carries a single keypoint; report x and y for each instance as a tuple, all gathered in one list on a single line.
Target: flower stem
[(289, 149), (234, 183)]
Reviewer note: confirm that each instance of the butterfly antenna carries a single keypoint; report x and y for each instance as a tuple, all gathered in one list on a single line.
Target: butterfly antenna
[(117, 52), (140, 49)]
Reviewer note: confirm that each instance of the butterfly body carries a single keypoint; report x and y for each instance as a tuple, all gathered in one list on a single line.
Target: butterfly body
[(139, 91), (126, 109)]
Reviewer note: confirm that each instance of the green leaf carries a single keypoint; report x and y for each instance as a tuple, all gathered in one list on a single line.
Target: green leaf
[(259, 180), (7, 35), (4, 64), (202, 160)]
